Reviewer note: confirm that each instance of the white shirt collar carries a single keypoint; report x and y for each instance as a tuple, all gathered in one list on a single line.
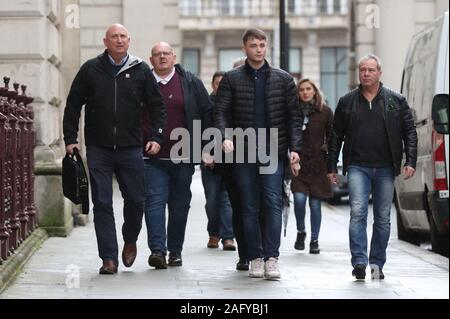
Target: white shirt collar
[(166, 79), (121, 63)]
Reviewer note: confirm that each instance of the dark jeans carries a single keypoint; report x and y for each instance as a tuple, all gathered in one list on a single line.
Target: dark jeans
[(226, 171), (218, 208), (265, 189), (169, 184), (128, 166)]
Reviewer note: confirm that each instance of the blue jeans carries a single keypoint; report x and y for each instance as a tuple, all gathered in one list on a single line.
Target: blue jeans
[(252, 185), (315, 206), (128, 166), (362, 181), (218, 207), (167, 183)]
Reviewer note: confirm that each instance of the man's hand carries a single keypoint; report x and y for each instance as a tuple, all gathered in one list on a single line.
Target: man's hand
[(295, 158), (334, 178), (228, 146), (295, 169), (295, 164), (70, 147), (408, 172), (152, 148), (208, 160)]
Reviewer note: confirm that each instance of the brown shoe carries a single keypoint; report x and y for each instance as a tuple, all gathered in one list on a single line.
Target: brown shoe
[(129, 254), (109, 267), (213, 242), (228, 244)]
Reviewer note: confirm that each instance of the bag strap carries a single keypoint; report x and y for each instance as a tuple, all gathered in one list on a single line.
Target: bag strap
[(76, 154)]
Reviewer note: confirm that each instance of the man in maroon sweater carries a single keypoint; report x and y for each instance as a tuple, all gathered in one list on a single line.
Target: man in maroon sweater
[(167, 182)]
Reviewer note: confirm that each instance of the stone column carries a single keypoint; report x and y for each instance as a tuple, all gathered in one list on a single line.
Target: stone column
[(311, 58), (366, 17), (396, 28), (209, 58), (155, 22), (36, 60), (385, 28)]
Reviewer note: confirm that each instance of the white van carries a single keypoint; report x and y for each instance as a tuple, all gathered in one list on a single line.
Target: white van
[(423, 201)]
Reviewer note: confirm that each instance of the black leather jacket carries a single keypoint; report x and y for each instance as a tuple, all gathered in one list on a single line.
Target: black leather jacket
[(398, 120), (235, 105)]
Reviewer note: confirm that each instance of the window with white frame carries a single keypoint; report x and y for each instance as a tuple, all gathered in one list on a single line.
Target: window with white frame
[(295, 62), (227, 57), (336, 6), (224, 7), (191, 60), (233, 8), (323, 6), (191, 7), (239, 8), (291, 4)]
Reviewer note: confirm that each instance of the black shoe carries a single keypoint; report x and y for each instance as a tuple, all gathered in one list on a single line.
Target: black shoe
[(314, 247), (359, 271), (157, 260), (242, 264), (175, 260), (109, 267), (378, 274), (300, 242)]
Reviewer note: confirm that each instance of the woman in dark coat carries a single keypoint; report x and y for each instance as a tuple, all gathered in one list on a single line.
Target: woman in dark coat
[(312, 179)]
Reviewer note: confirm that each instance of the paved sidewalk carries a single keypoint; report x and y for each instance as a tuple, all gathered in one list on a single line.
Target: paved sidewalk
[(52, 272)]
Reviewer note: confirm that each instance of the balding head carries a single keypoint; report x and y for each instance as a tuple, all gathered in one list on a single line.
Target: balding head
[(117, 41), (163, 58), (161, 46), (114, 28)]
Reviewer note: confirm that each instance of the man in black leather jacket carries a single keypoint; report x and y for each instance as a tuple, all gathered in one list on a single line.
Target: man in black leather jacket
[(115, 87), (376, 126), (257, 97)]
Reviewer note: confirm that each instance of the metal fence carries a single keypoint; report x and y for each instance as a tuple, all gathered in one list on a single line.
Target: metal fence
[(18, 216)]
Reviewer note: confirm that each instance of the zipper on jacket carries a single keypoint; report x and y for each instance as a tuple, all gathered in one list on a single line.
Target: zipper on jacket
[(115, 112), (387, 132)]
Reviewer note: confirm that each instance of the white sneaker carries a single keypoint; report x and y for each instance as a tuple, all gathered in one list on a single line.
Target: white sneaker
[(256, 268), (271, 269)]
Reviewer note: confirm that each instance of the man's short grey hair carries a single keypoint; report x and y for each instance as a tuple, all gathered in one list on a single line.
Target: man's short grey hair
[(371, 57), (239, 62)]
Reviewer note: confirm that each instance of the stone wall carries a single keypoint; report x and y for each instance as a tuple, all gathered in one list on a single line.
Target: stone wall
[(34, 53), (385, 27)]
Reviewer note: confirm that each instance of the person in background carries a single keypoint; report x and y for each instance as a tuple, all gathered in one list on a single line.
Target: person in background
[(312, 182), (218, 207), (239, 62)]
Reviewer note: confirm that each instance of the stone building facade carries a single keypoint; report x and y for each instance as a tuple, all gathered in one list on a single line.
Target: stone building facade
[(46, 41)]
